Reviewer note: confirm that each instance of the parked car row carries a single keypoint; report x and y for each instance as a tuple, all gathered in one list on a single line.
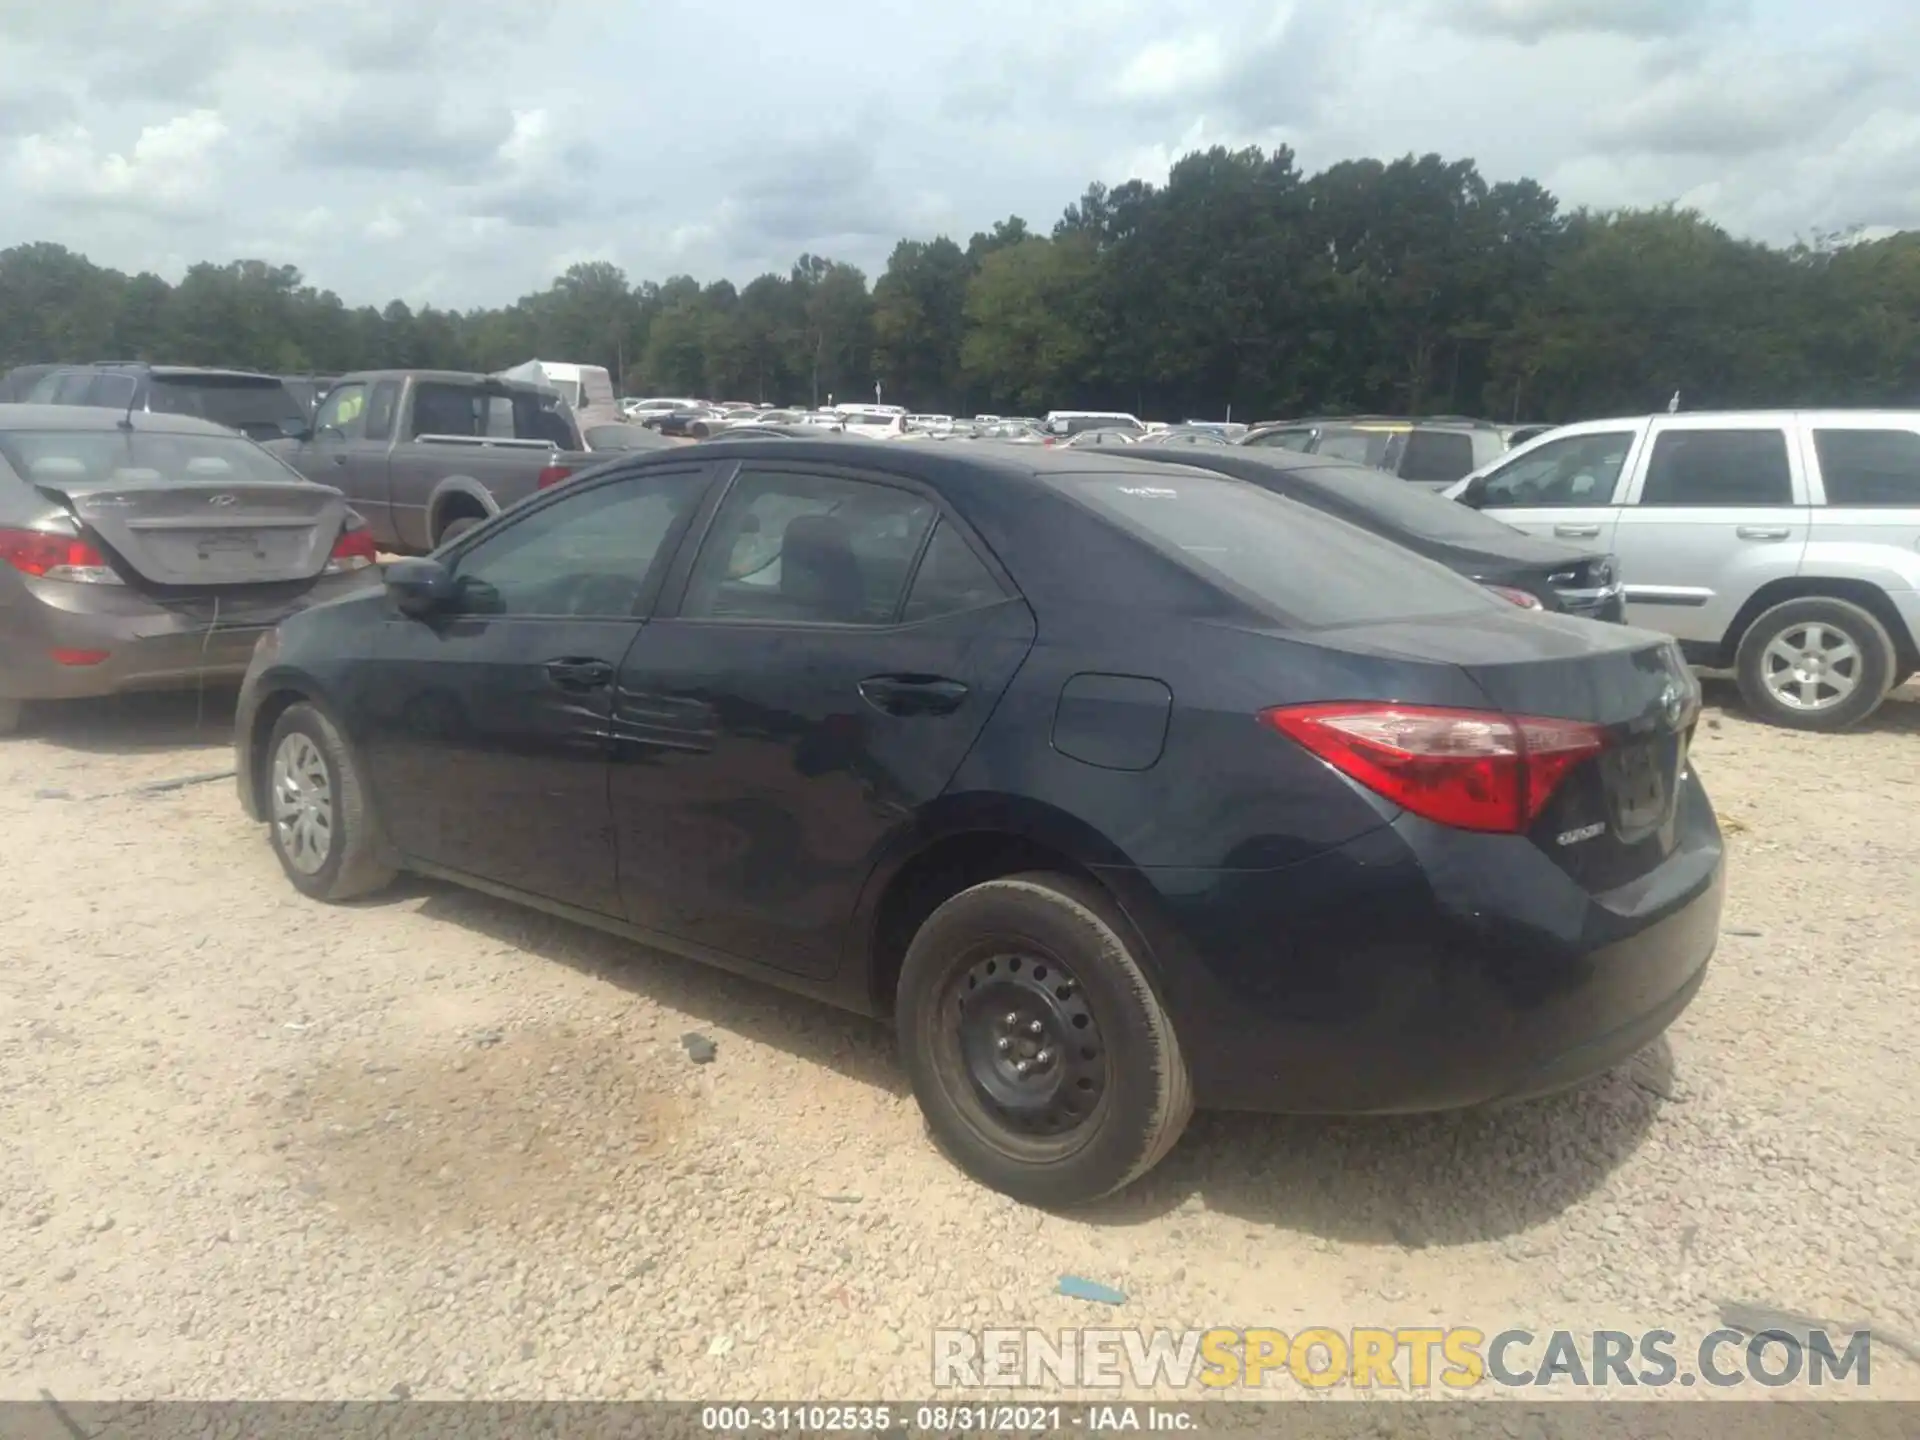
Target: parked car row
[(1282, 815)]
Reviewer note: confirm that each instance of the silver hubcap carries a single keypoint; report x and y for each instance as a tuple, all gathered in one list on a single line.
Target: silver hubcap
[(302, 804), (1811, 667)]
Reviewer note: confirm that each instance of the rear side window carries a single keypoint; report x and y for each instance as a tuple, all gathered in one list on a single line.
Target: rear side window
[(1719, 467), (1870, 467), (1306, 569), (951, 579), (1437, 455), (116, 391), (380, 407), (1377, 448)]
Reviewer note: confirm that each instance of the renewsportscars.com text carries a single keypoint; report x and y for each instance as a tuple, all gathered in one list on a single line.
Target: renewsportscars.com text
[(1454, 1359)]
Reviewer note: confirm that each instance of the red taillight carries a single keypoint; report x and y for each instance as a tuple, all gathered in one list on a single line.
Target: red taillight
[(354, 550), (48, 556), (1472, 769), (1524, 599), (552, 475), (78, 657)]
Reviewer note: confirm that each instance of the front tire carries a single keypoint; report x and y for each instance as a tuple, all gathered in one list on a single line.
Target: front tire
[(1043, 1060), (322, 830), (459, 526), (1815, 664)]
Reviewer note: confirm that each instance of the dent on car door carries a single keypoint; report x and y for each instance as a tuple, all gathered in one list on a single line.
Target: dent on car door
[(1716, 512), (1566, 488), (485, 727), (838, 647)]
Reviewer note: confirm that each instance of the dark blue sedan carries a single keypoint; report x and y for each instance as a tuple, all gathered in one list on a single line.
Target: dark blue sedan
[(1122, 787)]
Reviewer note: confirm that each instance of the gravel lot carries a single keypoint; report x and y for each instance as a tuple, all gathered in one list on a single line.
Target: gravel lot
[(436, 1145)]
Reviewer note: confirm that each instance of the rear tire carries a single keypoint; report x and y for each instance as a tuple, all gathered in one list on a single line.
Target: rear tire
[(1036, 973), (1815, 664), (321, 828)]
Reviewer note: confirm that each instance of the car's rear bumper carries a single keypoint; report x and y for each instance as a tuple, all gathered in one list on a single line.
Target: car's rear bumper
[(67, 642), (1418, 968)]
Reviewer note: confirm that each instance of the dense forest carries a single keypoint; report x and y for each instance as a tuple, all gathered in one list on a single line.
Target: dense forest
[(1411, 286)]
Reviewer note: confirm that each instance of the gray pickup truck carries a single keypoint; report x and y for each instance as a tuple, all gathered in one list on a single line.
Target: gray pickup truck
[(423, 455)]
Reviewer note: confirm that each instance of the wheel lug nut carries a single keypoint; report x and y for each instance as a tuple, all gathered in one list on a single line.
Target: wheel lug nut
[(1013, 1017), (1045, 1057), (1020, 1067), (1005, 1045), (1034, 1027)]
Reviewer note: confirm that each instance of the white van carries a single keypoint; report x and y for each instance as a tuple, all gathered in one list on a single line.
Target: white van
[(1065, 424)]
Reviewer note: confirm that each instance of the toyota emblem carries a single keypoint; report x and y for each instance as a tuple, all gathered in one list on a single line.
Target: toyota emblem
[(1673, 702), (221, 499)]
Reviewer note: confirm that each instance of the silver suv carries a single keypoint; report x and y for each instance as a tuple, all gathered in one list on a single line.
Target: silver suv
[(1785, 545)]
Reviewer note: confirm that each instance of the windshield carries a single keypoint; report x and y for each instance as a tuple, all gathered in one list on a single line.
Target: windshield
[(1304, 569), (569, 391), (85, 459), (258, 409)]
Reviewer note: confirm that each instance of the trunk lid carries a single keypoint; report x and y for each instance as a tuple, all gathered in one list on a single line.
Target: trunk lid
[(190, 535), (1612, 818)]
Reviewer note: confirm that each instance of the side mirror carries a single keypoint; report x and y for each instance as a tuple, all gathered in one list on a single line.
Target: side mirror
[(1474, 493), (420, 587), (296, 429)]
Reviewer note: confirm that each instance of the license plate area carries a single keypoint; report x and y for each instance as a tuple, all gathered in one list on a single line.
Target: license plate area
[(1640, 781)]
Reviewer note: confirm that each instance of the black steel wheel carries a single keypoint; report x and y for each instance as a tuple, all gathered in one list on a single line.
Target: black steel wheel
[(1039, 1050)]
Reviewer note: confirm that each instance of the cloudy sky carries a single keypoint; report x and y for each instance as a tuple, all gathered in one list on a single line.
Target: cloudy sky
[(464, 151)]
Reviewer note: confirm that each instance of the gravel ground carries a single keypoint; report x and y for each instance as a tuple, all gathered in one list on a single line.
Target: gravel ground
[(436, 1145)]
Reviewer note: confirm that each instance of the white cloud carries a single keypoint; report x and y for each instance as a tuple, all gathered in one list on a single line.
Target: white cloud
[(1169, 68), (451, 149), (170, 167)]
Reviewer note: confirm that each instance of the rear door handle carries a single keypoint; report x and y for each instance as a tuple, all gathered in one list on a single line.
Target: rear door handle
[(573, 673), (1577, 532), (913, 694), (1762, 532)]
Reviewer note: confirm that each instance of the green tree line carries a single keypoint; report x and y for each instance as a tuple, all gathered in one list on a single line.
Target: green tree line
[(1409, 286)]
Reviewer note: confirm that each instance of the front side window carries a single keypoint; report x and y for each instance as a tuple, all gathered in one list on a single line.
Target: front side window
[(72, 388), (1719, 467), (1297, 440), (1580, 470), (1870, 467), (342, 410), (808, 548), (114, 391), (587, 554)]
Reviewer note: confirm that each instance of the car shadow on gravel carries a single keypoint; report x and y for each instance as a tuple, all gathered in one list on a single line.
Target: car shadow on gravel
[(719, 1004), (1416, 1180), (136, 724), (1899, 713)]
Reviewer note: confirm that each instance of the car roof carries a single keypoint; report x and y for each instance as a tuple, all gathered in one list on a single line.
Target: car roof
[(173, 372), (102, 417)]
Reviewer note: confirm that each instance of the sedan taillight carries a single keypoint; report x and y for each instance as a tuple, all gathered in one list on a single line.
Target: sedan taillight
[(552, 475), (1526, 600), (1471, 769), (354, 550), (48, 556)]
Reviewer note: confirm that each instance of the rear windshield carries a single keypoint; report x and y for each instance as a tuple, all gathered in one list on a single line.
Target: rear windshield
[(89, 459), (1074, 424), (1378, 448), (258, 409), (1304, 568), (480, 412), (1395, 504)]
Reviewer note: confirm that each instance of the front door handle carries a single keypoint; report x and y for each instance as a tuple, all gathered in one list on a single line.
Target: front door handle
[(913, 694), (1577, 532), (573, 673), (1762, 532)]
